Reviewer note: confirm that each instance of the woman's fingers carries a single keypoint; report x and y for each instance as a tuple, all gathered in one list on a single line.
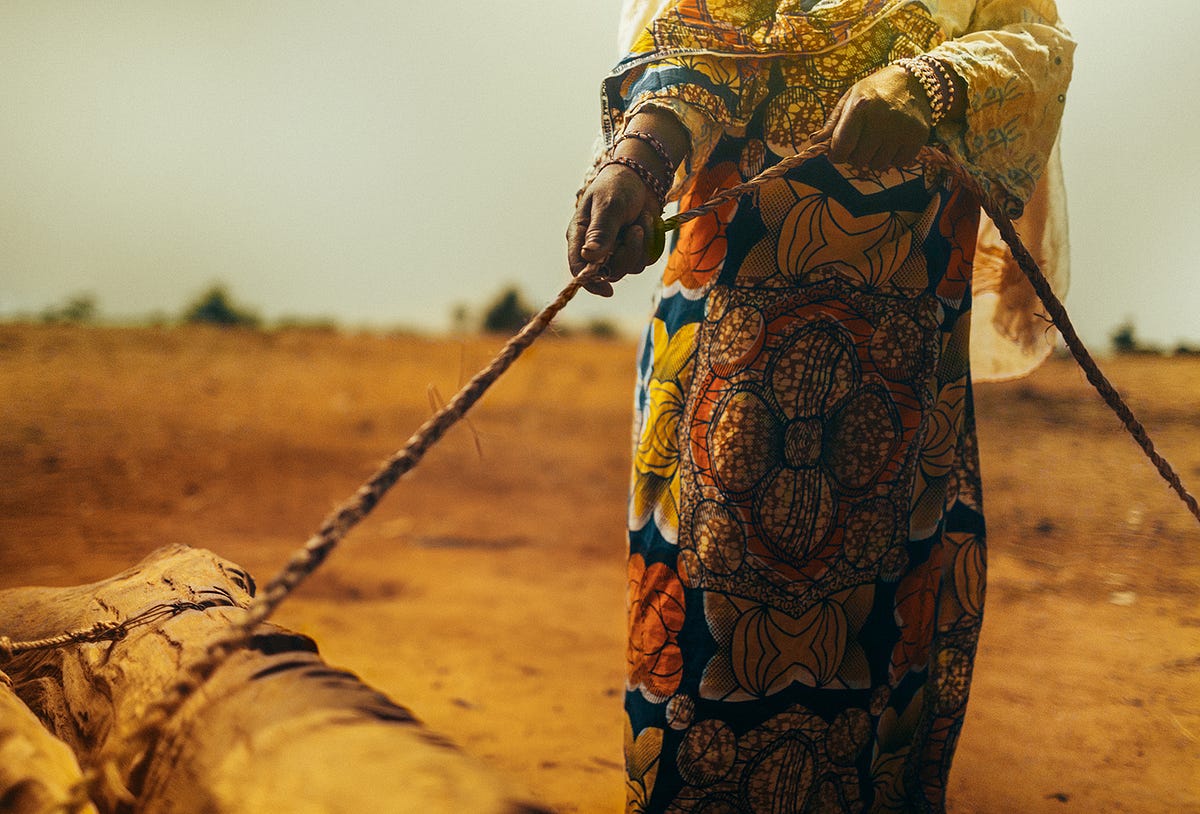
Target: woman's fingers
[(830, 122), (629, 256), (601, 288), (616, 202), (883, 159), (575, 235), (610, 227), (877, 124), (847, 131)]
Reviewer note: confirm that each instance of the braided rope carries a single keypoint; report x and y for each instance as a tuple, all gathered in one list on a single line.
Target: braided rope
[(1058, 313), (772, 173), (337, 524), (101, 631), (104, 631), (318, 547)]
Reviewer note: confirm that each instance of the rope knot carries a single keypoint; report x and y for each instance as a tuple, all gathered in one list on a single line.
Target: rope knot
[(106, 630), (6, 647)]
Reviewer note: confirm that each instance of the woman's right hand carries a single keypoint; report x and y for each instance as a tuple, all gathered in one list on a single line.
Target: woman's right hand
[(610, 226), (616, 213)]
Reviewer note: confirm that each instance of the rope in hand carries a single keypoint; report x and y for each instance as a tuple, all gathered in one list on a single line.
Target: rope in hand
[(315, 550)]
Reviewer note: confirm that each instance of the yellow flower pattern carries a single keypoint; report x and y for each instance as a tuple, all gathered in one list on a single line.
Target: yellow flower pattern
[(655, 492)]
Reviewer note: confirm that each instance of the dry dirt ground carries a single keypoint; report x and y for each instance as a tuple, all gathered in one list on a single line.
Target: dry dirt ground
[(486, 592)]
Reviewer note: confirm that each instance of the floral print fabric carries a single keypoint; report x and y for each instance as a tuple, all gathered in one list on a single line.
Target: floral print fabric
[(807, 547), (712, 62), (1014, 55), (807, 544)]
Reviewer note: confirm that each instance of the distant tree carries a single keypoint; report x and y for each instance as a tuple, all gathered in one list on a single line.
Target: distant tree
[(1125, 341), (1124, 338), (507, 313), (79, 309), (216, 307)]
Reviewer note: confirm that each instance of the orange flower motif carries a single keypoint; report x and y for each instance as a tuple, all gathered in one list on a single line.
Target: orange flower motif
[(943, 426), (700, 253), (959, 224), (916, 606), (656, 614)]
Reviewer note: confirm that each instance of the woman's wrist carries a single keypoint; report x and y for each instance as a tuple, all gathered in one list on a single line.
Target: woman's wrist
[(663, 125), (644, 158), (653, 143), (958, 109), (939, 85), (657, 186), (936, 90)]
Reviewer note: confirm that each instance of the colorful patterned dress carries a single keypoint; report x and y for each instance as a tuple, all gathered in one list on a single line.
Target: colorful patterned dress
[(807, 558)]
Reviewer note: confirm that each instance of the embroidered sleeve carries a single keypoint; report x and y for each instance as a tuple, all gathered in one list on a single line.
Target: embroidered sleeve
[(1016, 61), (709, 94), (702, 128)]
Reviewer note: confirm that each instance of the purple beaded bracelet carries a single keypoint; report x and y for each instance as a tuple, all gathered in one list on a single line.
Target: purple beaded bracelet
[(655, 144), (648, 178)]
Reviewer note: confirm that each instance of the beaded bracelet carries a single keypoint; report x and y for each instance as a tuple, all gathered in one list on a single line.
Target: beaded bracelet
[(648, 178), (655, 144), (946, 76), (938, 86)]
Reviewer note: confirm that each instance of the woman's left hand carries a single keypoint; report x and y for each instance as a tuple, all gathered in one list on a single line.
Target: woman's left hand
[(881, 122)]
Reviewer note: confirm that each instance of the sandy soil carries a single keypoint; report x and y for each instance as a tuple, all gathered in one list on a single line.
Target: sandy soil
[(486, 593)]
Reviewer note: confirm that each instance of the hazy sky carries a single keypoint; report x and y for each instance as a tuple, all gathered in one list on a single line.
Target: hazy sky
[(379, 162)]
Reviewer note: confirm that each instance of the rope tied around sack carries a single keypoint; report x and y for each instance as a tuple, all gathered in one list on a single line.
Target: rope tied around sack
[(102, 631), (333, 529)]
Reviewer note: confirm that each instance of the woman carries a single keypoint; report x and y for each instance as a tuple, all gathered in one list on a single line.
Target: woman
[(806, 536)]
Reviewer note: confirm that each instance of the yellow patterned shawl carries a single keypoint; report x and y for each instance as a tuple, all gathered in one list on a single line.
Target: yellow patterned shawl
[(1015, 57)]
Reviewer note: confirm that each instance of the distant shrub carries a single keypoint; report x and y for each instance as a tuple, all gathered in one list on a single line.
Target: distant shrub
[(508, 313), (1184, 349), (1125, 340), (79, 309), (215, 307)]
